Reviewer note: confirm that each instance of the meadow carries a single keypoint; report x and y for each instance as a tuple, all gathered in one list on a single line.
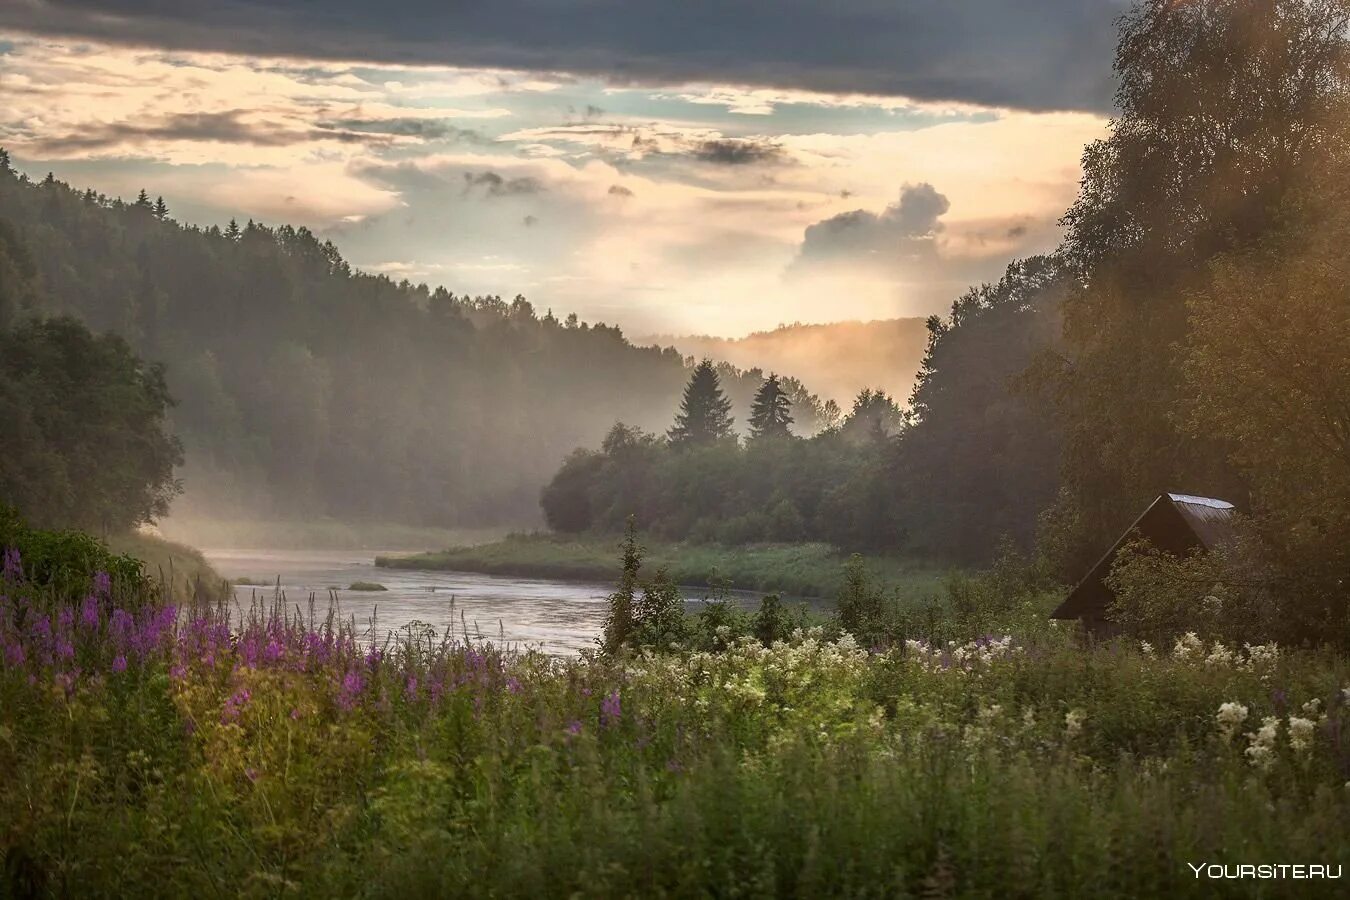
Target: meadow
[(170, 750)]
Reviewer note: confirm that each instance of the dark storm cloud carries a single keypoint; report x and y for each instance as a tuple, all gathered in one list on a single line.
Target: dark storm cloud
[(1033, 54)]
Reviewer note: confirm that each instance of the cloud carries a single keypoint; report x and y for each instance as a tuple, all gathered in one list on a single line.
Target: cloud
[(901, 232), (495, 185), (424, 129), (226, 127), (1029, 54), (737, 152)]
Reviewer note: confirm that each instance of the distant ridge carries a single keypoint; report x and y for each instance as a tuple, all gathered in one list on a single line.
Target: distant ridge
[(834, 360)]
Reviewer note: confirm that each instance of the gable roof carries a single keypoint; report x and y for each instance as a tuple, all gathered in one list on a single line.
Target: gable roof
[(1174, 523)]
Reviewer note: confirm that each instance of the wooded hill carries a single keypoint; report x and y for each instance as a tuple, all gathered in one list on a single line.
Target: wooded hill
[(306, 387)]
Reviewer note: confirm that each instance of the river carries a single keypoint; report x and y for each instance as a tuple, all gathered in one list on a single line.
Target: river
[(557, 617)]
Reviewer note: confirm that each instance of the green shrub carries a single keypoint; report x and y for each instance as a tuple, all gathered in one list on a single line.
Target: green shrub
[(62, 564)]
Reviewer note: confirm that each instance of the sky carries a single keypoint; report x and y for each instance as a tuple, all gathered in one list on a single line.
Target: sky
[(671, 167)]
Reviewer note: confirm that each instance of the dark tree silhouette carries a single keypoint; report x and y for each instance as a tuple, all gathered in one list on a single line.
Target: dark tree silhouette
[(705, 411), (771, 414)]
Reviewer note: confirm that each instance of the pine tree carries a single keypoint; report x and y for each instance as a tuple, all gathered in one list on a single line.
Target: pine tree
[(771, 413), (161, 210), (142, 200), (233, 232), (5, 167), (705, 412)]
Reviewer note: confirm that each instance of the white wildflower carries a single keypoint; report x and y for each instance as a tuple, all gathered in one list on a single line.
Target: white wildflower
[(1261, 748), (1220, 656), (1230, 717), (1260, 655), (1073, 722), (1188, 645), (1313, 707), (1146, 648), (1300, 733)]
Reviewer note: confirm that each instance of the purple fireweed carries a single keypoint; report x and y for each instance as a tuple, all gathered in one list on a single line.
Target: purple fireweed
[(119, 663), (610, 709), (89, 612), (350, 690), (102, 584), (238, 700)]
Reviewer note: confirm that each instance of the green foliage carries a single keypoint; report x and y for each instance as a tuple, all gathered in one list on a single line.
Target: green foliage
[(61, 564), (642, 613), (620, 623), (839, 486), (369, 586), (1200, 160), (981, 457), (862, 608), (86, 442)]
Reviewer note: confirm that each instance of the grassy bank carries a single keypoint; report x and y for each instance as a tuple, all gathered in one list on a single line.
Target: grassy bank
[(803, 570), (319, 534), (181, 567)]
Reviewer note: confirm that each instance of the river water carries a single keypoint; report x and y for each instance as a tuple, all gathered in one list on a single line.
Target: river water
[(558, 617)]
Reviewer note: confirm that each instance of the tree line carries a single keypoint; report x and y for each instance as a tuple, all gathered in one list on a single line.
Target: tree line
[(305, 387), (701, 481)]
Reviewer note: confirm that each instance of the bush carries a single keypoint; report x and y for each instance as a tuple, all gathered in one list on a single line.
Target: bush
[(61, 565)]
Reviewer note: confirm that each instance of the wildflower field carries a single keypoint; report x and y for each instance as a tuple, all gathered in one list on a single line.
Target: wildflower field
[(153, 750)]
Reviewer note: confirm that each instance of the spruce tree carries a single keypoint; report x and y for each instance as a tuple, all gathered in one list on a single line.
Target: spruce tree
[(233, 232), (705, 412), (771, 413), (161, 210), (142, 200)]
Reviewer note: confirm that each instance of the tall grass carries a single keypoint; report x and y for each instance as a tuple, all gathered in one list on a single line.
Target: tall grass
[(272, 750)]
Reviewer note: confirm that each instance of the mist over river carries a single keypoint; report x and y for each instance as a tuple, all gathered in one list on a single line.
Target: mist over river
[(559, 617)]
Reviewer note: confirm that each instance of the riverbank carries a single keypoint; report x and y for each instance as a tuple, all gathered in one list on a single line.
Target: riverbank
[(802, 570), (184, 569)]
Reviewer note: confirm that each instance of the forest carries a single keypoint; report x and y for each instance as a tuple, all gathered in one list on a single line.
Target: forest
[(302, 387)]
